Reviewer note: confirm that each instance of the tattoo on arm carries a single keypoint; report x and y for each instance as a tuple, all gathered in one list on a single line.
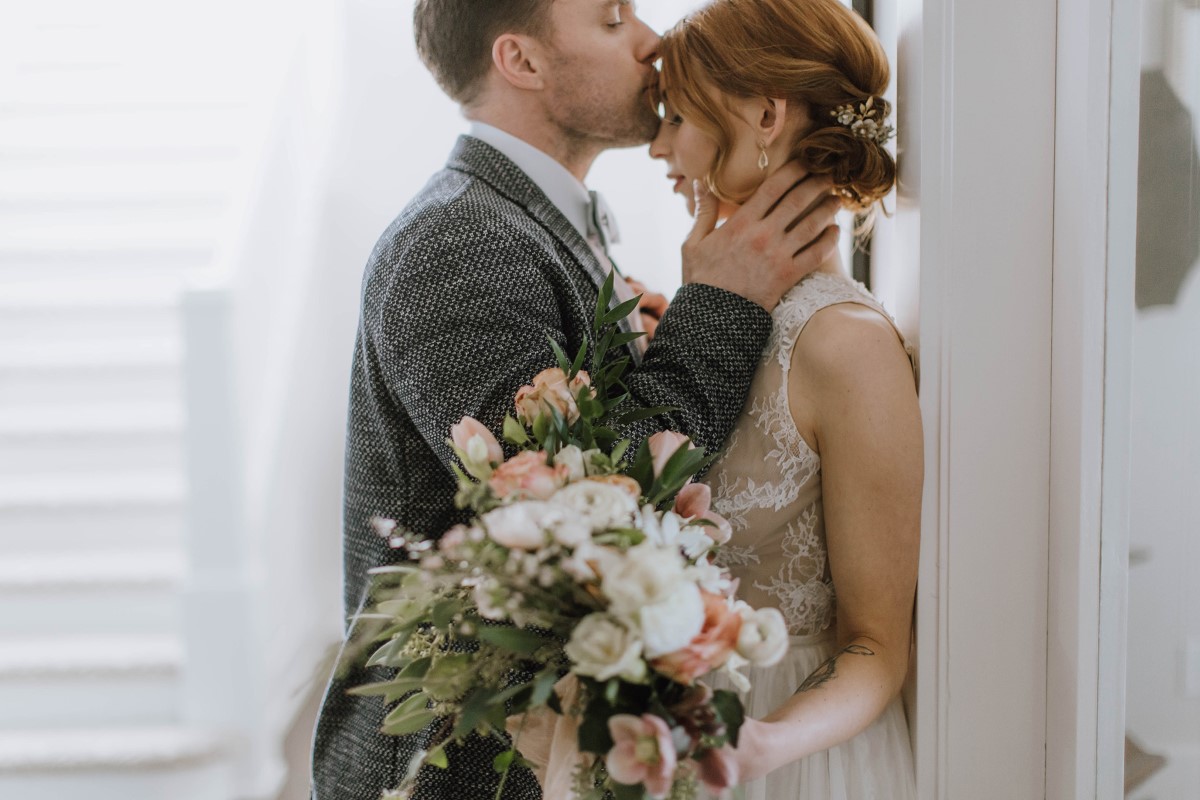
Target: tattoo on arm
[(828, 670)]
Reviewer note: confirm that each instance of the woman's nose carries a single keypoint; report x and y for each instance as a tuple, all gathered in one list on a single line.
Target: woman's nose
[(659, 147)]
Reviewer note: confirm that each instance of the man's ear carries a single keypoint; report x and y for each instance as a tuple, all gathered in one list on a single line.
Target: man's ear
[(518, 60)]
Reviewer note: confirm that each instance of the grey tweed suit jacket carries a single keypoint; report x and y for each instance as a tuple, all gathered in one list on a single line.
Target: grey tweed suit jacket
[(457, 300)]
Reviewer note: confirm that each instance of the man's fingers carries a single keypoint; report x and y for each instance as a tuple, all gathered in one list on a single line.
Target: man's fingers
[(805, 230), (706, 212), (810, 258), (805, 198), (767, 196)]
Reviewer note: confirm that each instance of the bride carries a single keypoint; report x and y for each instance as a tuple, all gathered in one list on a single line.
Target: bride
[(822, 476)]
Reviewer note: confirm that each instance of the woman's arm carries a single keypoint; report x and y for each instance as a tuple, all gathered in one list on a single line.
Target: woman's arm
[(854, 399)]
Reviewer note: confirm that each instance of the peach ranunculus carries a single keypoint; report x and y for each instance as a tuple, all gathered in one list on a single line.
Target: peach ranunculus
[(642, 753), (709, 649), (663, 445), (527, 476), (473, 438), (694, 501), (628, 484), (551, 389)]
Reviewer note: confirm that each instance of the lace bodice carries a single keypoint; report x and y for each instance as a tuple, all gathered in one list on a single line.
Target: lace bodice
[(768, 482)]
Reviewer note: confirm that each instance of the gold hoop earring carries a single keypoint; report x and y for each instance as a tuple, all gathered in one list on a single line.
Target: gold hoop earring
[(763, 161)]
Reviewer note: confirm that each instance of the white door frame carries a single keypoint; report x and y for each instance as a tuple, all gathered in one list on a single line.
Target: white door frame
[(1018, 133), (1094, 265)]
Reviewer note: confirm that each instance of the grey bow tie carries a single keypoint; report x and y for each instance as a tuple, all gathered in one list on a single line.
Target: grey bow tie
[(600, 221)]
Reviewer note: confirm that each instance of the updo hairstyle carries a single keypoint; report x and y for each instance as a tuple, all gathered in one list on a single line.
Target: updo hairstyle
[(816, 52)]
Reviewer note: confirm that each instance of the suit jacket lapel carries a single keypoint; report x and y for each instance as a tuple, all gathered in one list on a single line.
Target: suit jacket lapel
[(477, 158)]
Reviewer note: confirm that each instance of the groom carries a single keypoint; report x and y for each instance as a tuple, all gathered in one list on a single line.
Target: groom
[(502, 247)]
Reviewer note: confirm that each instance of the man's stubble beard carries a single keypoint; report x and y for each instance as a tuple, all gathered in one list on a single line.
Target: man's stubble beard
[(589, 113)]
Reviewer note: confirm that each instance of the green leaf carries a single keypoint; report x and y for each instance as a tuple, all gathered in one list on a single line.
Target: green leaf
[(541, 427), (621, 791), (514, 432), (444, 611), (543, 687), (559, 355), (503, 760), (593, 732), (643, 413), (591, 409), (437, 758), (622, 339), (409, 717), (518, 640), (604, 298), (642, 468), (621, 311), (619, 451), (613, 371), (611, 689), (473, 709), (577, 364), (732, 714)]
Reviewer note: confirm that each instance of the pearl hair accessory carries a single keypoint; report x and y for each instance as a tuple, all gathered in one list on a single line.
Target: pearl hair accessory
[(865, 122)]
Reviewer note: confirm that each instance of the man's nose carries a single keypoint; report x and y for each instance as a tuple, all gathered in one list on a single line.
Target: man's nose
[(647, 43)]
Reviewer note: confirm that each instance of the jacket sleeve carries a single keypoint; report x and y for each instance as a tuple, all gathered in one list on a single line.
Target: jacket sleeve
[(702, 360), (463, 324)]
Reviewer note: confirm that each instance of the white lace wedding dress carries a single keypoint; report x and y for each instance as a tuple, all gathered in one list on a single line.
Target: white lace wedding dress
[(768, 485)]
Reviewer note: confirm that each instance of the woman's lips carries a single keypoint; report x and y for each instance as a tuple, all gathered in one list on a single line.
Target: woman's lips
[(678, 182)]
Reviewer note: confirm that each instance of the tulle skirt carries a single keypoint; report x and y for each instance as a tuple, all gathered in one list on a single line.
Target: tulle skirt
[(875, 765)]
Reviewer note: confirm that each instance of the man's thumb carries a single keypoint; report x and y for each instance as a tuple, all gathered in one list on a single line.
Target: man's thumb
[(706, 211)]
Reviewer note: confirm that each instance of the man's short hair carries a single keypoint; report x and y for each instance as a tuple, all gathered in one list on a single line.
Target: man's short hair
[(455, 37)]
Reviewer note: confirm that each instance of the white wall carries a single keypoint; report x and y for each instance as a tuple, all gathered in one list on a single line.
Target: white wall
[(1164, 595)]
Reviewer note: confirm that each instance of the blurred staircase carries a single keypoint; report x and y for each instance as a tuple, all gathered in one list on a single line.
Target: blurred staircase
[(119, 126)]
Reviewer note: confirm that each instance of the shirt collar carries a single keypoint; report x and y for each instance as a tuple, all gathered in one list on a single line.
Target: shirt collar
[(562, 188)]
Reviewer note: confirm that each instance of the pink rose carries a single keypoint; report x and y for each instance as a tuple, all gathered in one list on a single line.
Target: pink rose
[(718, 769), (551, 389), (663, 445), (528, 476), (694, 502), (470, 436), (623, 482), (709, 649), (642, 753)]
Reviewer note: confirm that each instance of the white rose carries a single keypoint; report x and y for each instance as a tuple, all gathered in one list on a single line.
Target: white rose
[(671, 624), (572, 457), (563, 526), (589, 561), (602, 648), (600, 506), (645, 575), (519, 525), (763, 638)]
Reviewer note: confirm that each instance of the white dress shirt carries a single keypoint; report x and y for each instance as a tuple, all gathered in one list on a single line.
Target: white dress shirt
[(562, 189)]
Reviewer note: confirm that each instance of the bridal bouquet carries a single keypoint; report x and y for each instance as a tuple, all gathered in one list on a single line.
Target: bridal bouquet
[(582, 587)]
